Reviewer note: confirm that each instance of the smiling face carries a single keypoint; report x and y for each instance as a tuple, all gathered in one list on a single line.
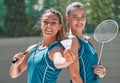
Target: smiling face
[(50, 24), (77, 20)]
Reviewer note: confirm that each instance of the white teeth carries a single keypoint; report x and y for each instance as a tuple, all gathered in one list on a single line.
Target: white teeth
[(79, 25), (49, 30)]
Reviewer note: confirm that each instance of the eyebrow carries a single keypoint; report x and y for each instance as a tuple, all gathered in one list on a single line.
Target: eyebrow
[(77, 15), (52, 19), (55, 19), (74, 15)]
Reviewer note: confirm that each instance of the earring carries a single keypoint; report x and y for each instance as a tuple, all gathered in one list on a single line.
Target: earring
[(67, 17)]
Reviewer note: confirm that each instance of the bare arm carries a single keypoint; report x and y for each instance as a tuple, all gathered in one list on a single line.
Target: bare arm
[(74, 68), (56, 55), (98, 69), (20, 66)]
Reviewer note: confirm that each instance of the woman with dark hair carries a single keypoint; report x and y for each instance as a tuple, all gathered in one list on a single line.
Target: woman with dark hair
[(44, 60)]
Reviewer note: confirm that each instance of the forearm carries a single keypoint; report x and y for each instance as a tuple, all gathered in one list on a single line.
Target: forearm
[(20, 66), (74, 73), (63, 65), (76, 79), (14, 71)]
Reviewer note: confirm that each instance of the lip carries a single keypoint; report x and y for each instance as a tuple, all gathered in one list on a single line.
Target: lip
[(49, 30), (79, 25)]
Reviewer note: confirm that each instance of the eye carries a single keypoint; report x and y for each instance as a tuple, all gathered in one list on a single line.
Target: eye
[(45, 22), (74, 18), (53, 23), (83, 17)]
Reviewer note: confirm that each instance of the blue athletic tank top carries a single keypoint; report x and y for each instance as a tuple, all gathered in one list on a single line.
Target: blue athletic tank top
[(40, 67), (87, 59)]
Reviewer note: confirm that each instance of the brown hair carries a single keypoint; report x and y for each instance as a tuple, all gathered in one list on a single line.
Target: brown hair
[(74, 5), (60, 34)]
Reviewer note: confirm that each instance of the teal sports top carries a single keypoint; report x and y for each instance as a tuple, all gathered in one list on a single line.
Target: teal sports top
[(87, 59), (40, 67)]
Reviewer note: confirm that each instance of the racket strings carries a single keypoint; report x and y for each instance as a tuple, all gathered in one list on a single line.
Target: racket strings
[(106, 31)]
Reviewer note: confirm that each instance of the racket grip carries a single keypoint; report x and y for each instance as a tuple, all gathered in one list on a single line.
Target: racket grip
[(95, 77), (15, 60), (25, 53)]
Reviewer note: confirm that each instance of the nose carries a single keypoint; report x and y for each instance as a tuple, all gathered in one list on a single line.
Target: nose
[(48, 25), (79, 19)]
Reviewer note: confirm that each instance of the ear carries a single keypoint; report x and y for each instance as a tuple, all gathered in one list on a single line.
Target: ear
[(67, 17)]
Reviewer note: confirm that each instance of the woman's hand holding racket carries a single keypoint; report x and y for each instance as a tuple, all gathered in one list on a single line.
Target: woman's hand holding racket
[(19, 57), (105, 32), (99, 70)]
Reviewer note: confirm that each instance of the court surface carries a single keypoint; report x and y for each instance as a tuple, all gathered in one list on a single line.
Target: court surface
[(10, 46)]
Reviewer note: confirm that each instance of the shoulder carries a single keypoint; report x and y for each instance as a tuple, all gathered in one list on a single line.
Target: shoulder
[(90, 39), (31, 47), (57, 49), (73, 37), (75, 42)]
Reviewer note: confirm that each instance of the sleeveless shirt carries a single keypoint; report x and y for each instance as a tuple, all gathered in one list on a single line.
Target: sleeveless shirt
[(87, 59), (41, 68)]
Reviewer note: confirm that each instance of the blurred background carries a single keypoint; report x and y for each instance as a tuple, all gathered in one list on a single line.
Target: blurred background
[(19, 28)]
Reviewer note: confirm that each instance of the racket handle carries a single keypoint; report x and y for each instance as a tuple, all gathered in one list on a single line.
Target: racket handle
[(15, 60), (25, 53), (95, 77)]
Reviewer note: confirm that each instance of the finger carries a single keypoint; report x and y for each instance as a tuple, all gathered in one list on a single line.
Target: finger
[(65, 56), (100, 73), (72, 54), (96, 71), (20, 55), (65, 53), (99, 68), (27, 54), (15, 60), (68, 57), (94, 66), (16, 56)]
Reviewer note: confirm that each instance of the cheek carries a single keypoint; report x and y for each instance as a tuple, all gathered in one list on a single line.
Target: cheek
[(84, 22), (72, 23), (42, 27), (56, 29)]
